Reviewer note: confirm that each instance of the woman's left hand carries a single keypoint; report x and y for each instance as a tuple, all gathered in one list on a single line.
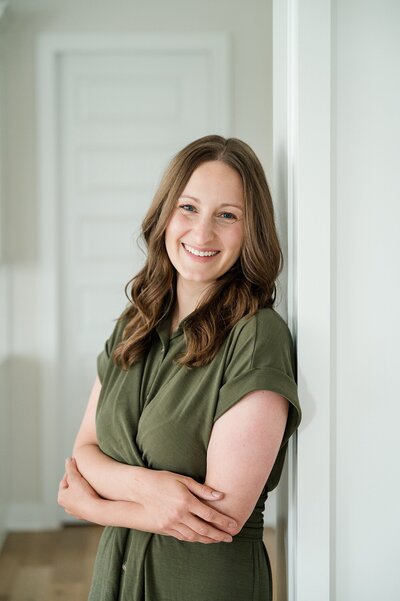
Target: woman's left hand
[(74, 492)]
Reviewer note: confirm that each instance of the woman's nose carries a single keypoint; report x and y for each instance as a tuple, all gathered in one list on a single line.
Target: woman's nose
[(203, 230)]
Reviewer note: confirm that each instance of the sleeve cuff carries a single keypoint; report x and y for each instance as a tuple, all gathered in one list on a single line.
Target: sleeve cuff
[(266, 378), (102, 361)]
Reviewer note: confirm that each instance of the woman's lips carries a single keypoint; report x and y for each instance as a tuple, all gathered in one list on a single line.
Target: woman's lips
[(197, 253)]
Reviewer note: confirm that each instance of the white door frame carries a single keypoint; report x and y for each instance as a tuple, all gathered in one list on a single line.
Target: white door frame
[(50, 47), (303, 173)]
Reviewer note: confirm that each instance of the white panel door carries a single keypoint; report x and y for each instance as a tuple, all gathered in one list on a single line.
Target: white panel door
[(121, 115)]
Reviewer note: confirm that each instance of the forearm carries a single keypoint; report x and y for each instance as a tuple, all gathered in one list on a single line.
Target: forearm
[(111, 479), (124, 514), (175, 513)]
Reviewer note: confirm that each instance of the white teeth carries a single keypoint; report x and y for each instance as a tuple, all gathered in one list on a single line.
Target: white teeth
[(200, 253)]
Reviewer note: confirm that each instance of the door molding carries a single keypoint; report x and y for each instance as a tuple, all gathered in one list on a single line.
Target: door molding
[(303, 168), (49, 50)]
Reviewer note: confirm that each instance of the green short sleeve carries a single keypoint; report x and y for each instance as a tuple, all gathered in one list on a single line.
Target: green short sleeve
[(262, 358), (104, 358)]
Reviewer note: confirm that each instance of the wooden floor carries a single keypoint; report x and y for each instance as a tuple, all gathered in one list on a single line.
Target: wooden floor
[(56, 565), (48, 566)]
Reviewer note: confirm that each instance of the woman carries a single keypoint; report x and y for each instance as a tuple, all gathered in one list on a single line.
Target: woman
[(187, 424)]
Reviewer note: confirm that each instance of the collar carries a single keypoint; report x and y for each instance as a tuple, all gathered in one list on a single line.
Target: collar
[(163, 329)]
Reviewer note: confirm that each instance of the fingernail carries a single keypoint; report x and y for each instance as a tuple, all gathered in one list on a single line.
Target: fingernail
[(216, 494), (67, 460), (232, 525)]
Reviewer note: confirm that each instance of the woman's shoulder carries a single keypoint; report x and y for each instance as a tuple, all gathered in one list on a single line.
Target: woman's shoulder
[(116, 334), (259, 335), (265, 322)]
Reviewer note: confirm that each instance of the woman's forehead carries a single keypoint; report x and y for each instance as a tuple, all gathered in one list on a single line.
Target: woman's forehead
[(216, 181)]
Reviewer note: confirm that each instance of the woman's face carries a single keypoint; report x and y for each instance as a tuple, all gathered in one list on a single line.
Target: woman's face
[(204, 235)]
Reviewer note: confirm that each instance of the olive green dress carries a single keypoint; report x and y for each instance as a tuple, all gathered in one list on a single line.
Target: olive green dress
[(160, 415)]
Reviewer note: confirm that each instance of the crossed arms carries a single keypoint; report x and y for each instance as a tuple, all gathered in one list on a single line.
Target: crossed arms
[(243, 446)]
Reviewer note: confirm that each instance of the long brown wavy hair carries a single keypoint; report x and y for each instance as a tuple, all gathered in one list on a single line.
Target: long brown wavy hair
[(246, 287)]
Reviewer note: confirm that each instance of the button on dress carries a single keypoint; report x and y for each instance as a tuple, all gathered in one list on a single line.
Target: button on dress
[(160, 415)]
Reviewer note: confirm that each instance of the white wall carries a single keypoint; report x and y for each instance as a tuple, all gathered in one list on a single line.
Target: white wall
[(367, 298), (249, 25), (4, 329), (343, 153)]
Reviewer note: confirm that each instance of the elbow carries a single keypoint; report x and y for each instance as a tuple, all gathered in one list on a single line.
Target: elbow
[(78, 446), (75, 449), (241, 520), (239, 515)]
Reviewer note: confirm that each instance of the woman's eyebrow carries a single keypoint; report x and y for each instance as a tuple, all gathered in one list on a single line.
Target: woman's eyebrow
[(191, 197), (225, 204)]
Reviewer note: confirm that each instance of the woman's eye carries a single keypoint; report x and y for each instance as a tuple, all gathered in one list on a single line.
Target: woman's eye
[(187, 208), (228, 216)]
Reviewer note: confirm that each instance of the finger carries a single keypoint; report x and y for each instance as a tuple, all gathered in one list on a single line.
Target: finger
[(74, 466), (191, 536), (175, 534), (206, 530), (64, 482), (70, 467), (211, 515), (203, 491)]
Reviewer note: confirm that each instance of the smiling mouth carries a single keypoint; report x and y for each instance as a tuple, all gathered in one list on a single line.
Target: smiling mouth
[(200, 253)]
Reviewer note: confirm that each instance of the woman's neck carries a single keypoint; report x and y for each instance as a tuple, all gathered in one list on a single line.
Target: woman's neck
[(188, 295)]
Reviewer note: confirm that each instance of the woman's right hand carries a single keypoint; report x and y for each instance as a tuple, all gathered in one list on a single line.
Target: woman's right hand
[(173, 502)]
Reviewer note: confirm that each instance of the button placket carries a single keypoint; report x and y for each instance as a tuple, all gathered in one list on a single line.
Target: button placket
[(163, 353)]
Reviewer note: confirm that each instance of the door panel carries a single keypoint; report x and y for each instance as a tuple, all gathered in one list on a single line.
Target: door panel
[(121, 115)]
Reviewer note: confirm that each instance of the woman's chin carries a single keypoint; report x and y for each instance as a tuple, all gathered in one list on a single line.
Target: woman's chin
[(196, 279)]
